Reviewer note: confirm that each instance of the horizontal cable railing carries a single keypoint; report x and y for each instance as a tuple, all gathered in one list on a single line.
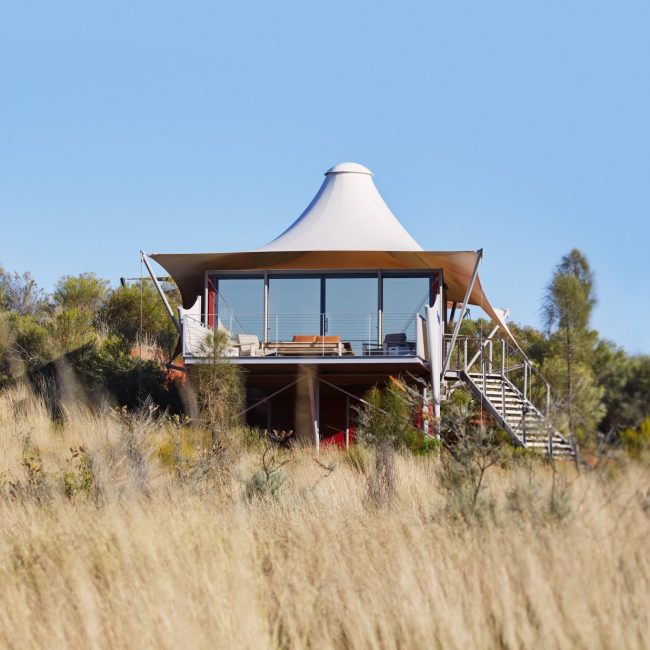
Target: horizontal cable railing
[(358, 334)]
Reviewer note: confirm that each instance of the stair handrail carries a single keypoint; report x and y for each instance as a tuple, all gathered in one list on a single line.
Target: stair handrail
[(463, 362), (507, 350)]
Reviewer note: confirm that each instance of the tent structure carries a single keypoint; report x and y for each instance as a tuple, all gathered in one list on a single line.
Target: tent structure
[(348, 234)]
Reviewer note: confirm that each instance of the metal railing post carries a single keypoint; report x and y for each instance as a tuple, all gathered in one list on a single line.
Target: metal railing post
[(526, 380), (484, 380), (503, 357), (465, 356)]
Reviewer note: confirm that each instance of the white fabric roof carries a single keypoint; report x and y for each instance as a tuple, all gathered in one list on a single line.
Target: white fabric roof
[(348, 213)]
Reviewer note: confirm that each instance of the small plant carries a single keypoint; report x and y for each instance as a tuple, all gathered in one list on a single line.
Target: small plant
[(79, 478), (326, 470), (35, 479), (34, 485), (269, 481), (474, 447)]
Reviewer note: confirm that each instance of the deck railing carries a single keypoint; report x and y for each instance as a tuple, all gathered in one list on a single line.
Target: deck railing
[(359, 334)]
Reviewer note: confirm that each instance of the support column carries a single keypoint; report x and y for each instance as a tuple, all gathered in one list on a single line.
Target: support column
[(435, 339), (425, 412), (266, 307), (380, 308), (347, 423), (314, 403)]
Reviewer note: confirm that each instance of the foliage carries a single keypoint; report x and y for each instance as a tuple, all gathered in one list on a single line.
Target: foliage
[(137, 311), (85, 292), (79, 478), (637, 441), (219, 387), (77, 301), (567, 308), (83, 334), (386, 418), (270, 479), (20, 294)]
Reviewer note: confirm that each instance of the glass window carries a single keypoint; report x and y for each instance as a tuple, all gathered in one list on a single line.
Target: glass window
[(351, 310), (294, 307), (404, 298), (239, 305)]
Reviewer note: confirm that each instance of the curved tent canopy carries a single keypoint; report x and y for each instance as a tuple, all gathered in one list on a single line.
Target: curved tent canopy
[(348, 213)]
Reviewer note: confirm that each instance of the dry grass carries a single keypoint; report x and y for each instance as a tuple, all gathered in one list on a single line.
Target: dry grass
[(165, 555)]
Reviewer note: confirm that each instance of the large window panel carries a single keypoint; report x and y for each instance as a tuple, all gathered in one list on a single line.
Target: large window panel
[(351, 309), (239, 304), (404, 298), (294, 307)]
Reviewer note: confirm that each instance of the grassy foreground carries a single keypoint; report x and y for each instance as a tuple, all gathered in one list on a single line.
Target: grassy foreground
[(138, 540)]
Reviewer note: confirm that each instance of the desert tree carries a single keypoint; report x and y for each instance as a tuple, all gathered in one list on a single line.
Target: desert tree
[(137, 311), (219, 388), (568, 303), (21, 295)]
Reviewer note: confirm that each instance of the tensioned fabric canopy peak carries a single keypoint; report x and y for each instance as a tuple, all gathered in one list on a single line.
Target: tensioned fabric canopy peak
[(346, 227)]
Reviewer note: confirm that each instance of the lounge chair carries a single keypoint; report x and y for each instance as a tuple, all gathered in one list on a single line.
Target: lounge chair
[(396, 344), (248, 344)]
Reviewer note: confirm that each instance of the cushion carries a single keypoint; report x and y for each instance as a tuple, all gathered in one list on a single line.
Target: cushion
[(248, 339), (395, 339), (328, 339), (303, 338)]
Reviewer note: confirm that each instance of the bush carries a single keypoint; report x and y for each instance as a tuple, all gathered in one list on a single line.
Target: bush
[(636, 441), (387, 417), (219, 388)]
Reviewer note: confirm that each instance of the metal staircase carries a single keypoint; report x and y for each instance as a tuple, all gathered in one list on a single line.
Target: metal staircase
[(507, 393), (517, 415)]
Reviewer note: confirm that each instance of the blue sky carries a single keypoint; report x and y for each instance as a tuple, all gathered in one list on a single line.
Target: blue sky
[(519, 127)]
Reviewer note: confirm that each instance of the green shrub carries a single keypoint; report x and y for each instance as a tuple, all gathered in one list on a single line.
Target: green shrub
[(636, 441), (265, 485)]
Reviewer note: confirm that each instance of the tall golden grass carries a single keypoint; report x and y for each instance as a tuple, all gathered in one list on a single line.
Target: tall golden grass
[(161, 553)]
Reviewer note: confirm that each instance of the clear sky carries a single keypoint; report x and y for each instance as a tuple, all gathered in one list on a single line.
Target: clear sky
[(522, 127)]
